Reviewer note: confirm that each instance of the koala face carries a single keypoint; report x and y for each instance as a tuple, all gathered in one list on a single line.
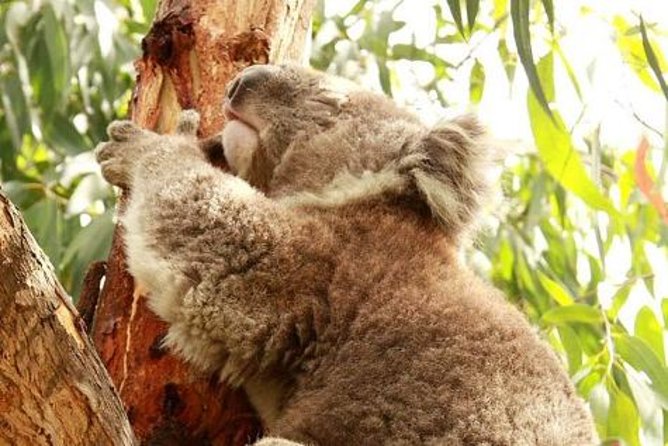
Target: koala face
[(282, 116), (292, 130)]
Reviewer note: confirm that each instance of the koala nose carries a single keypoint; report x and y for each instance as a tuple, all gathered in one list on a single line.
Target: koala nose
[(249, 79)]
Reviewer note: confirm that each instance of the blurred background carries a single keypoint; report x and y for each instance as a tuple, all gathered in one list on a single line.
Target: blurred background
[(574, 94)]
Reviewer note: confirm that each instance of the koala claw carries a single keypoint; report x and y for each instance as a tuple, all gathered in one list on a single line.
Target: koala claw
[(104, 151), (123, 131), (188, 122), (114, 173)]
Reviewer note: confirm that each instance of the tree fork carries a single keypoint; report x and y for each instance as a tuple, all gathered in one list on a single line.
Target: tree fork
[(192, 50)]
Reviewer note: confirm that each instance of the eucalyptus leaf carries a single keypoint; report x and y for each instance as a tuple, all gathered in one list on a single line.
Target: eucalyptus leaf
[(652, 59), (44, 219), (549, 11), (456, 11), (578, 313), (556, 150), (472, 7), (519, 11), (476, 82), (639, 355), (623, 418), (555, 290), (648, 328)]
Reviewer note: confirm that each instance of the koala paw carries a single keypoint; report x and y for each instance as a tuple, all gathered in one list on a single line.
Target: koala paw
[(127, 142)]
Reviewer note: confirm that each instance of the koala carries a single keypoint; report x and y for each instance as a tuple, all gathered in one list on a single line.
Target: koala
[(322, 274)]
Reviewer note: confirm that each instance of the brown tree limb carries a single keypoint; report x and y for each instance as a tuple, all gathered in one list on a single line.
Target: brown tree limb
[(53, 387)]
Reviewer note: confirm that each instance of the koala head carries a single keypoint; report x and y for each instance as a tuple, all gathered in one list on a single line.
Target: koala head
[(294, 132)]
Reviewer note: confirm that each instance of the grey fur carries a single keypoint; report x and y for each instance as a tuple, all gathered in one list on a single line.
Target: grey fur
[(327, 281)]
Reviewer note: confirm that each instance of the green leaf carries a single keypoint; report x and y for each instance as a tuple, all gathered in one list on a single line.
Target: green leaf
[(519, 11), (639, 355), (509, 60), (632, 49), (572, 313), (648, 405), (569, 71), (555, 290), (15, 111), (571, 344), (24, 194), (652, 59), (555, 148), (148, 8), (472, 7), (47, 54), (61, 134), (91, 243), (384, 77), (411, 52), (623, 419), (456, 11), (476, 82), (549, 11), (357, 8), (648, 328), (619, 299), (44, 219)]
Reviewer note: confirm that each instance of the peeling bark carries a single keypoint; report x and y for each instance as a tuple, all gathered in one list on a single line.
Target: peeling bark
[(192, 50), (53, 387)]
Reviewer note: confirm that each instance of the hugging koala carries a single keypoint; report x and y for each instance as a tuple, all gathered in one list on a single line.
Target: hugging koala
[(323, 277)]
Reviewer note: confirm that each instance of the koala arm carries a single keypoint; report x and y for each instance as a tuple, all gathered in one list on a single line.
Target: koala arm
[(210, 249)]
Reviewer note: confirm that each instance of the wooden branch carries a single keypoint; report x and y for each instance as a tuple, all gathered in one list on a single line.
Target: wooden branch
[(53, 387)]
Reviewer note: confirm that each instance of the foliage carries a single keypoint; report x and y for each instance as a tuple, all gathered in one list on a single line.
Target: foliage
[(572, 244), (579, 243), (64, 75)]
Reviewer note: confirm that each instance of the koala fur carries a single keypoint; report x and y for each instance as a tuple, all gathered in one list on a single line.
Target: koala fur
[(324, 276)]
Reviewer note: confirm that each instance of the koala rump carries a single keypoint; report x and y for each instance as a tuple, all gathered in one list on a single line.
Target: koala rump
[(322, 274)]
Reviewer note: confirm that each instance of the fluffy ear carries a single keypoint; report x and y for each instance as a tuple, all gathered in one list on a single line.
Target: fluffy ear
[(451, 172)]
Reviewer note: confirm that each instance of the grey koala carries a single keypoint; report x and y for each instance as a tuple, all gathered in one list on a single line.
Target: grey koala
[(323, 274)]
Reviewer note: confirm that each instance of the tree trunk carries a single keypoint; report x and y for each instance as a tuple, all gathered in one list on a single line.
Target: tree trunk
[(54, 390), (193, 49)]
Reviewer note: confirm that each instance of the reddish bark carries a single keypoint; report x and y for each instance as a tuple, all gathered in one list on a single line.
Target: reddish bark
[(193, 49)]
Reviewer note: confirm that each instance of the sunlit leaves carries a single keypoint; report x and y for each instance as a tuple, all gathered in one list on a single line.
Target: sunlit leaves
[(623, 420), (472, 7), (555, 290), (476, 82), (549, 11), (580, 313), (652, 59), (639, 355), (555, 147), (509, 60), (637, 51), (456, 11), (51, 70), (47, 55), (519, 10), (647, 328)]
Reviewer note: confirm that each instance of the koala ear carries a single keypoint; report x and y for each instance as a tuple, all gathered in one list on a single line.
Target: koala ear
[(450, 169)]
